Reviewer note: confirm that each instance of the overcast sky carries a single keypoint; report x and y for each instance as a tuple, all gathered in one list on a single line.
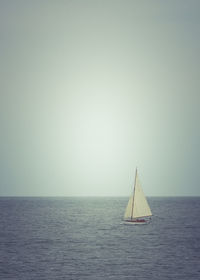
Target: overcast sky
[(91, 89)]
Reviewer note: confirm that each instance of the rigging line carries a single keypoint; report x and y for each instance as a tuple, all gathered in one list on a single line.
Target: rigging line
[(133, 193)]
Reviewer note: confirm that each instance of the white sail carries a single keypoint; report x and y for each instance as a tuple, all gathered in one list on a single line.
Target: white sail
[(137, 206), (129, 208), (140, 205)]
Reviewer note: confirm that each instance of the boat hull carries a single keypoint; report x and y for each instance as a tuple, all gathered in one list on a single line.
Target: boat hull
[(136, 222)]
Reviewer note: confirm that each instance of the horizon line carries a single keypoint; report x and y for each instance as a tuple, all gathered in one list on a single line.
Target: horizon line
[(88, 196)]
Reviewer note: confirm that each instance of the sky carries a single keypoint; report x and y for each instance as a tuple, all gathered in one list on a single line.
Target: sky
[(92, 89)]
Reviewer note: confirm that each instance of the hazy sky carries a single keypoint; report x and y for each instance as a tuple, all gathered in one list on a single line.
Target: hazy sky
[(90, 89)]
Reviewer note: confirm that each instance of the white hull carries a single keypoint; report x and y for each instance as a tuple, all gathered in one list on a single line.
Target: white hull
[(135, 223)]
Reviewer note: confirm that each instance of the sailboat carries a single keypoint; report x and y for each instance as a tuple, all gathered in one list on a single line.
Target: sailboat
[(137, 210)]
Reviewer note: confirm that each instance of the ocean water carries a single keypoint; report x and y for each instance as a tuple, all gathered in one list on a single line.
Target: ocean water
[(84, 238)]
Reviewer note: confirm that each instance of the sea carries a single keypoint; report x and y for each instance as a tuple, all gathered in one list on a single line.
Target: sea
[(79, 238)]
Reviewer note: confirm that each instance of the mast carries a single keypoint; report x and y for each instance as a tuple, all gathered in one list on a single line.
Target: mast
[(133, 194)]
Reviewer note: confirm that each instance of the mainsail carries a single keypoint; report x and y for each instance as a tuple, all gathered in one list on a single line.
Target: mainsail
[(137, 206)]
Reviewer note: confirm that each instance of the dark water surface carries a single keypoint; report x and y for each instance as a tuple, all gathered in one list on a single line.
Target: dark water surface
[(83, 238)]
